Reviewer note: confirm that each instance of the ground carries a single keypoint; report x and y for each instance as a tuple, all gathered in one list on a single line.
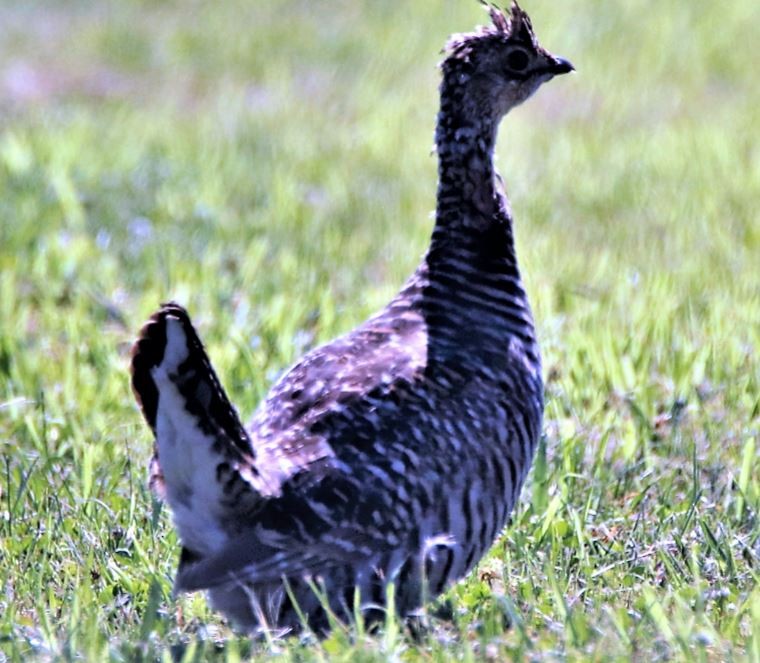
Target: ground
[(268, 165)]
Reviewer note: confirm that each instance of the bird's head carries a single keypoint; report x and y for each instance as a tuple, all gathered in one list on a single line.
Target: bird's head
[(501, 65)]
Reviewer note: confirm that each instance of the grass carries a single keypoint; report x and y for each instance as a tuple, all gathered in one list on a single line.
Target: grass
[(267, 164)]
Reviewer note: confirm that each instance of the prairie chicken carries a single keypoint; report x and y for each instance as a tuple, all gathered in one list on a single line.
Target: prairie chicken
[(394, 453)]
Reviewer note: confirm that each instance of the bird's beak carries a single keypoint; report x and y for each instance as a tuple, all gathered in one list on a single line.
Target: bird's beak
[(559, 65)]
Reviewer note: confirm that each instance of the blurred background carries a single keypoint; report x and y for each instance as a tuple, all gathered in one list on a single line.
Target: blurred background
[(268, 165)]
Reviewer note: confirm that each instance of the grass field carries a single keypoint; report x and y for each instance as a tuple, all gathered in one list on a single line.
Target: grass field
[(268, 165)]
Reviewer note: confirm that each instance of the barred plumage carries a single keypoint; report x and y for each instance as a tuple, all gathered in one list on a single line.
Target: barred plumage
[(395, 452)]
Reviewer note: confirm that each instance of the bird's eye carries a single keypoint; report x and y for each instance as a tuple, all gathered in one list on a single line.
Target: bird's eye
[(517, 60)]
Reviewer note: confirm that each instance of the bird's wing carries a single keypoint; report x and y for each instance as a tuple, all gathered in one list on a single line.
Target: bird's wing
[(298, 424), (367, 497), (313, 485), (293, 537)]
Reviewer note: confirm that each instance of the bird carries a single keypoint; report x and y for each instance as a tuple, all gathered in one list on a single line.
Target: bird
[(382, 466)]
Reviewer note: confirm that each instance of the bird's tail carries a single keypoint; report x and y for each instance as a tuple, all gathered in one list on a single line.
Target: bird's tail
[(182, 401)]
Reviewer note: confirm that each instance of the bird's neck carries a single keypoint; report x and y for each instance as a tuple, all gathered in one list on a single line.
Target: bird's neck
[(472, 293), (469, 189), (472, 208)]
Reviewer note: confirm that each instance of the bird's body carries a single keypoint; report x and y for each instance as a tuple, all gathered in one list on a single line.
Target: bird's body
[(394, 453)]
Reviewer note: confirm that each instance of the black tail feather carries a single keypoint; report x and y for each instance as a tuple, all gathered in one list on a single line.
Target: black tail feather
[(195, 378)]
